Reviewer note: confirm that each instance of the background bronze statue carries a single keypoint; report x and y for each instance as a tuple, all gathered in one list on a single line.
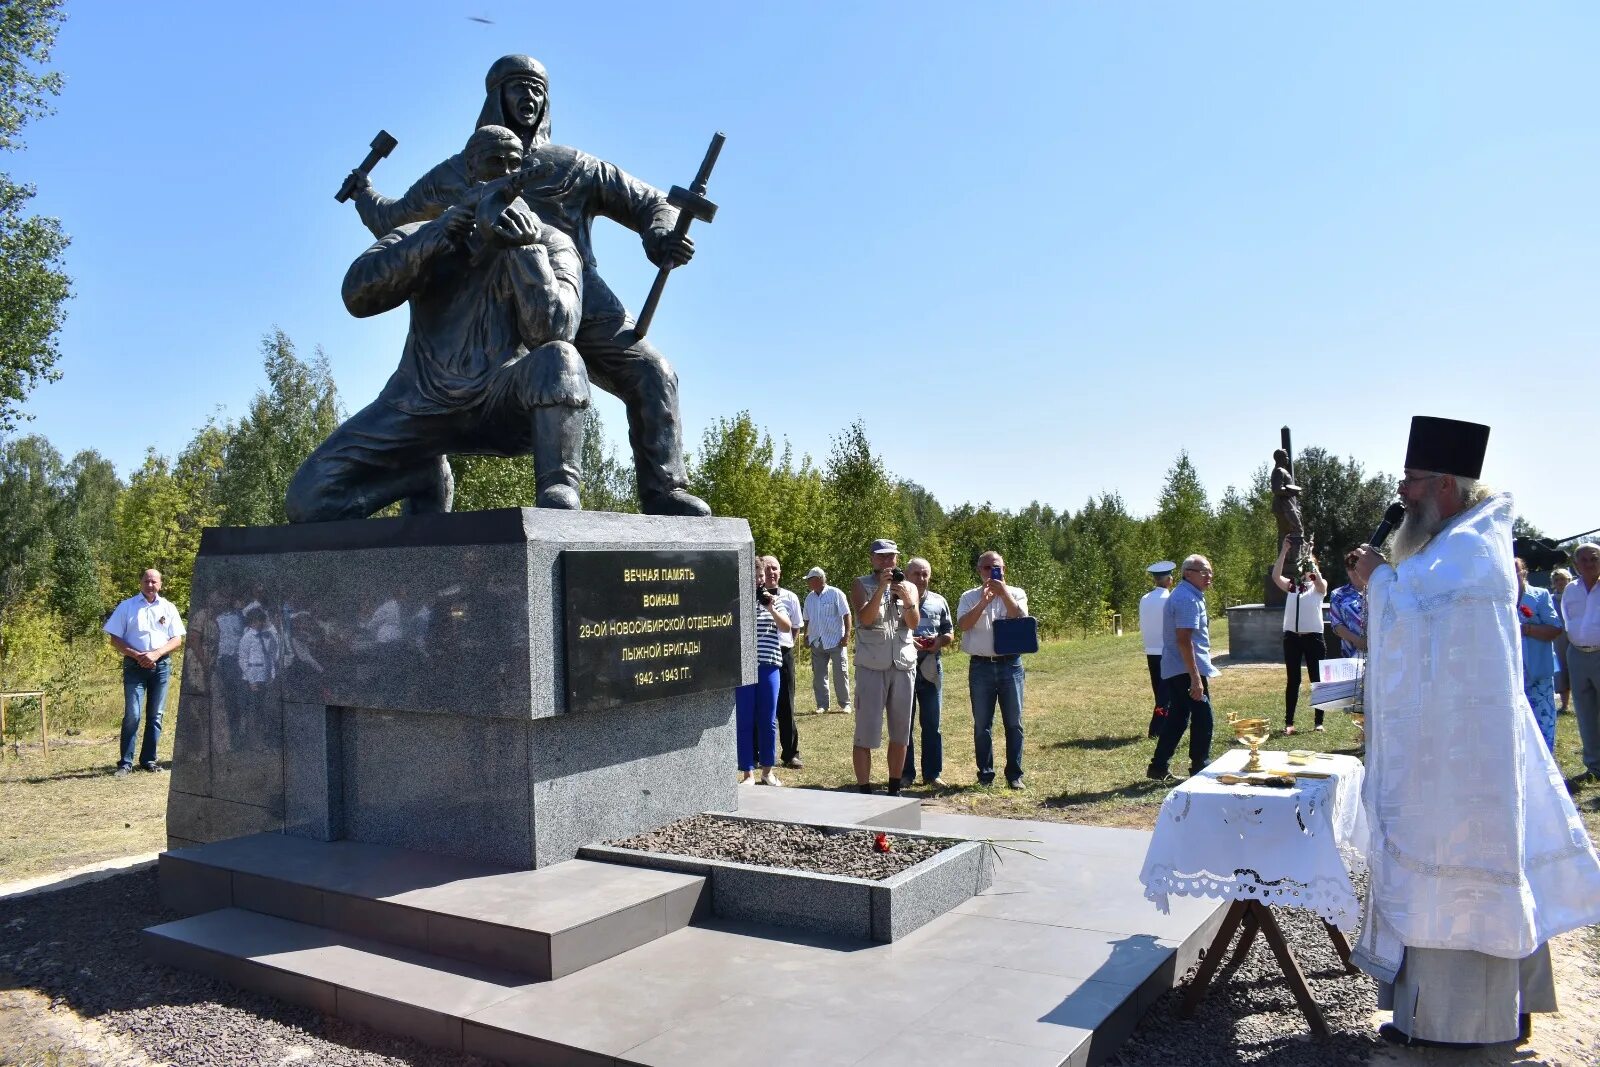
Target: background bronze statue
[(570, 189), (488, 366), (1286, 503)]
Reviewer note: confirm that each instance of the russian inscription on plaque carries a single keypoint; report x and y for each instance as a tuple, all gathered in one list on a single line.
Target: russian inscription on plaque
[(647, 625)]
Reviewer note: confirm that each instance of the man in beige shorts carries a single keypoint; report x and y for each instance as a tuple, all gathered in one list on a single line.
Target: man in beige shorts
[(884, 604)]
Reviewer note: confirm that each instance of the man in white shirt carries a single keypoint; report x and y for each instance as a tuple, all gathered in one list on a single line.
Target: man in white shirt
[(1150, 609), (1580, 606), (992, 679), (788, 736), (146, 629), (827, 626)]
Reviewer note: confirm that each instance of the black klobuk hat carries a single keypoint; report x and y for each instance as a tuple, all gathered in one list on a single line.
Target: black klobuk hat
[(1446, 446)]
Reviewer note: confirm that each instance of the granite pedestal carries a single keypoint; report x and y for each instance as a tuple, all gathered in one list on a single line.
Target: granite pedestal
[(1052, 966), (418, 693)]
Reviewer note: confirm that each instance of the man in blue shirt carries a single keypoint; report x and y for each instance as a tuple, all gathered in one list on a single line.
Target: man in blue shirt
[(1536, 615), (1185, 670)]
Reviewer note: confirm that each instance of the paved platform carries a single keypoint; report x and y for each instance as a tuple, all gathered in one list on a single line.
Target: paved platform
[(1053, 965)]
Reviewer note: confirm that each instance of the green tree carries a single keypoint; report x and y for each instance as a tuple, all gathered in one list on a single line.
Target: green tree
[(291, 417), (1240, 543), (862, 506), (74, 589), (733, 474), (33, 287), (30, 497), (1340, 505), (1182, 513), (1086, 578), (151, 531), (605, 483), (486, 482)]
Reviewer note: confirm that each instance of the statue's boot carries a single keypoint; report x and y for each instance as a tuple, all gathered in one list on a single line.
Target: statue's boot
[(557, 444), (675, 502)]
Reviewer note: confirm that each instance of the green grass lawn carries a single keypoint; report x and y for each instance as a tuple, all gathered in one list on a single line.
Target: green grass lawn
[(1086, 710)]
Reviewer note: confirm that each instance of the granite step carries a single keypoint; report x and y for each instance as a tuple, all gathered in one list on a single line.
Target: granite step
[(541, 924), (393, 989)]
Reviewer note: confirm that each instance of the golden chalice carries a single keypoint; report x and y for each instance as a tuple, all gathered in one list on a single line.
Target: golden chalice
[(1254, 733)]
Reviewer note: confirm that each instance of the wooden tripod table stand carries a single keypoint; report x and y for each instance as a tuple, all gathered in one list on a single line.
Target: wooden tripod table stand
[(1256, 917)]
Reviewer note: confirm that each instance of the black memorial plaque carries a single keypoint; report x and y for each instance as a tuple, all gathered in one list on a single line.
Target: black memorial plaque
[(647, 625)]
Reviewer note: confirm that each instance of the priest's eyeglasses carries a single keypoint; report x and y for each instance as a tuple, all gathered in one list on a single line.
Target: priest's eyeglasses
[(1409, 480)]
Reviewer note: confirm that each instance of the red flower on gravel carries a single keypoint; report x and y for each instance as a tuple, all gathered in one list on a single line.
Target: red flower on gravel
[(1527, 612), (880, 843)]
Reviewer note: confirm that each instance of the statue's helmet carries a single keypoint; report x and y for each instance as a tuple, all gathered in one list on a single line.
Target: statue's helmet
[(509, 69)]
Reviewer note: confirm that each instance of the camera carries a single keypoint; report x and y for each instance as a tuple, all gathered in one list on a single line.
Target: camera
[(997, 573), (764, 595), (897, 576)]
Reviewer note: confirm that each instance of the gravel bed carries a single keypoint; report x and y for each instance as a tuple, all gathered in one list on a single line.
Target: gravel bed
[(80, 947), (1250, 1016), (820, 850)]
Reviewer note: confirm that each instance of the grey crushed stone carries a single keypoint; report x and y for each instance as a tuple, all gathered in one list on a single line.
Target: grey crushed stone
[(818, 849), (1250, 1016)]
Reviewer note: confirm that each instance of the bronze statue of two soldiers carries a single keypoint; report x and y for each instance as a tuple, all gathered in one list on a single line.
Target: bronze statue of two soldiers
[(510, 321)]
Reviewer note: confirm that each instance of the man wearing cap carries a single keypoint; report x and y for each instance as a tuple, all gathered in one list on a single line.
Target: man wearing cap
[(885, 607), (992, 679), (568, 188), (935, 632), (827, 615), (788, 736), (1151, 606), (1477, 856), (1580, 607)]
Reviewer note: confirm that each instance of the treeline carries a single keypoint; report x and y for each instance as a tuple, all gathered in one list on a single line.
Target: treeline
[(74, 536)]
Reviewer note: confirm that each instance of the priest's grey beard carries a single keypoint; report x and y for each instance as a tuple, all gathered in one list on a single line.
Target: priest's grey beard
[(1423, 521)]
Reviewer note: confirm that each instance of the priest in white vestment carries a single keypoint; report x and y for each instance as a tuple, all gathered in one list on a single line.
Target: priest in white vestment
[(1477, 856)]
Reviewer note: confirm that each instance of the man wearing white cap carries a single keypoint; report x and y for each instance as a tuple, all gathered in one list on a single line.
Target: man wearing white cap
[(1477, 856), (1150, 608), (827, 623)]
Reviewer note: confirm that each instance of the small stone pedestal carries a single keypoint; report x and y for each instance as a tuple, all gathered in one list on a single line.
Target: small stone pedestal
[(419, 694), (1255, 633)]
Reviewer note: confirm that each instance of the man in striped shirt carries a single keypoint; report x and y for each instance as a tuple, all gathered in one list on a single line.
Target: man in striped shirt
[(827, 623)]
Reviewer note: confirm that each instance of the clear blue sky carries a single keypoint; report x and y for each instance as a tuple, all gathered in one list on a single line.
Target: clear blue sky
[(1038, 248)]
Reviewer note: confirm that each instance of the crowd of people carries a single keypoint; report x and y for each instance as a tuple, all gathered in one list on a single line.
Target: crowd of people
[(898, 630)]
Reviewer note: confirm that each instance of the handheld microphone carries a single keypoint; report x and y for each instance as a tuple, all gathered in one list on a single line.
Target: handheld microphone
[(1391, 518)]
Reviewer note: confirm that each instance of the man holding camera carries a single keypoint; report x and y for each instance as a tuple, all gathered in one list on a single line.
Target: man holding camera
[(993, 679), (885, 607)]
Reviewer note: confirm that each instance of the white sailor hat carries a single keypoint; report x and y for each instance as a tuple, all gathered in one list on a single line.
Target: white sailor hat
[(1166, 566)]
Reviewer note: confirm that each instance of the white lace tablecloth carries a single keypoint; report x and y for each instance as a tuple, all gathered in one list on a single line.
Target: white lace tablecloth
[(1279, 846)]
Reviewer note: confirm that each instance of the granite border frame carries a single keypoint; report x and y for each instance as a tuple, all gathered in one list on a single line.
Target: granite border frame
[(883, 910)]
